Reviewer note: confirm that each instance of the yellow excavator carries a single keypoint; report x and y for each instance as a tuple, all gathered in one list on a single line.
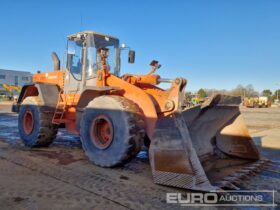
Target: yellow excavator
[(10, 89)]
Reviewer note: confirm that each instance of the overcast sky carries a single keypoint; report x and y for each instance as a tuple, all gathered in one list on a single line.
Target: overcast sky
[(213, 44)]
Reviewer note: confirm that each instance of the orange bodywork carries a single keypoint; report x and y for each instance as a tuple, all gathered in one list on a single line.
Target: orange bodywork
[(54, 77), (142, 79), (139, 97), (153, 101)]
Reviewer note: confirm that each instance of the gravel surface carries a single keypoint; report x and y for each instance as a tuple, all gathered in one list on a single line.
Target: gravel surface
[(61, 177)]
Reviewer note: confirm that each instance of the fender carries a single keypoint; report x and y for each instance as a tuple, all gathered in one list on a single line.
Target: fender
[(48, 94), (138, 96), (89, 93), (27, 90)]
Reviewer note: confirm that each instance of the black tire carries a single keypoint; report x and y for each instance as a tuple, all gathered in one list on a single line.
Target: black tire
[(147, 142), (127, 126), (43, 132)]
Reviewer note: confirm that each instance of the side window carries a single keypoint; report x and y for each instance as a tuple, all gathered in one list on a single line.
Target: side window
[(111, 59), (91, 69), (75, 57)]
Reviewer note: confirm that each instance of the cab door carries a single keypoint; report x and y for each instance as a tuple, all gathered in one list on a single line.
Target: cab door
[(73, 77)]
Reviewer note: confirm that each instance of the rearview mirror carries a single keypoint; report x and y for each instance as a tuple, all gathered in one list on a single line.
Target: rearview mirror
[(131, 56)]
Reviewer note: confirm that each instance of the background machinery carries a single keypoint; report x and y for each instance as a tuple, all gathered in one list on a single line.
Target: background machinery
[(196, 99), (257, 102), (11, 89), (207, 147)]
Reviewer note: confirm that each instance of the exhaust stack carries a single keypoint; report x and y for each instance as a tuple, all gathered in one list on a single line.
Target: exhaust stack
[(56, 62)]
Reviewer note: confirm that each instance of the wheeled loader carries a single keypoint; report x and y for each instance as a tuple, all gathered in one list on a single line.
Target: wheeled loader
[(257, 102), (205, 148)]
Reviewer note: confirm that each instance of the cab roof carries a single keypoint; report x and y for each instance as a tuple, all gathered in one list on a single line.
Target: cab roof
[(73, 36)]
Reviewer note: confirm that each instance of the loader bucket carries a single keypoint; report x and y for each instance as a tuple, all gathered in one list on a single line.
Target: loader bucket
[(204, 148)]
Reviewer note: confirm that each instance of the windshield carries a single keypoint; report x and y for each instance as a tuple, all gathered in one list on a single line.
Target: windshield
[(97, 46)]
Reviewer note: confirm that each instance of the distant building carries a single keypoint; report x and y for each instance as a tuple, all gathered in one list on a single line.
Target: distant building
[(12, 77)]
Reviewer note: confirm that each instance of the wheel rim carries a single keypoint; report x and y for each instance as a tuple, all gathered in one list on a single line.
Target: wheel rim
[(28, 122), (101, 132)]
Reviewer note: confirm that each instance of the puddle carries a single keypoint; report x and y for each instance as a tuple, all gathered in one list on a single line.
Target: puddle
[(143, 155), (66, 139), (63, 158)]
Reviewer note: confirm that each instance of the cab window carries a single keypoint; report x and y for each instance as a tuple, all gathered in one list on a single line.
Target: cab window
[(75, 58), (92, 68)]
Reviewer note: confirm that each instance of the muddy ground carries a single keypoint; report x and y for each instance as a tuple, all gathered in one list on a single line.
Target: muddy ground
[(61, 177)]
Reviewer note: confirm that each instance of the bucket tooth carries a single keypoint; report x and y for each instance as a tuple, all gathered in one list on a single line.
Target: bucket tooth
[(232, 186), (228, 185), (250, 168), (269, 163), (240, 175), (251, 171), (243, 174), (258, 169), (245, 171), (233, 180)]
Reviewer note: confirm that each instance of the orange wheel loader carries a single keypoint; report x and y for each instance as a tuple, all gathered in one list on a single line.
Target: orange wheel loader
[(205, 148)]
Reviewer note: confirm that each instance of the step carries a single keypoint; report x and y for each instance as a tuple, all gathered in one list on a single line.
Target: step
[(58, 121)]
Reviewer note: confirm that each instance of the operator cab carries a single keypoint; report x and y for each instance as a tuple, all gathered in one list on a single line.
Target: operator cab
[(88, 50)]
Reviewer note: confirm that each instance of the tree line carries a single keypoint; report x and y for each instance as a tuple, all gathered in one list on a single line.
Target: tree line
[(240, 90)]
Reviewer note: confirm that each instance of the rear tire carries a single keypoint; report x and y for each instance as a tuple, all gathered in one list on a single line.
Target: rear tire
[(35, 126), (112, 130)]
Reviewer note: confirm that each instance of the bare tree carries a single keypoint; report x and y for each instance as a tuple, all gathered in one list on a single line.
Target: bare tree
[(240, 90)]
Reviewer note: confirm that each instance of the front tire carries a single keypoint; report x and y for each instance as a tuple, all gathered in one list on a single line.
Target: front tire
[(35, 126), (112, 130)]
